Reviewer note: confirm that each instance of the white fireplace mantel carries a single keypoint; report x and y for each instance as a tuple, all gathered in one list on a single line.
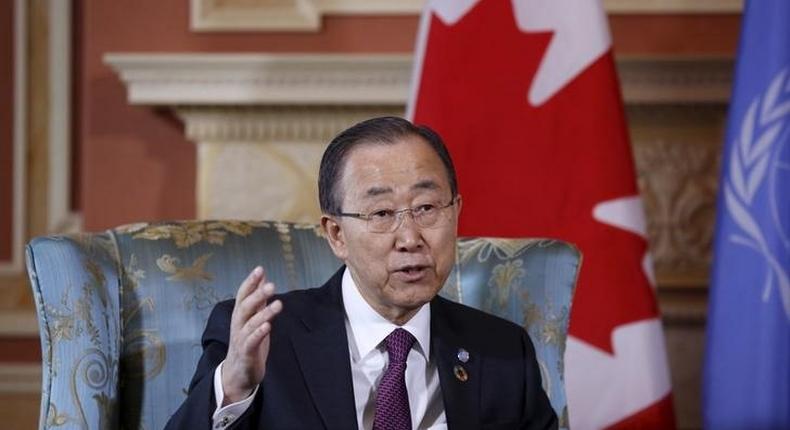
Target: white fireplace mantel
[(289, 106), (366, 79), (260, 79)]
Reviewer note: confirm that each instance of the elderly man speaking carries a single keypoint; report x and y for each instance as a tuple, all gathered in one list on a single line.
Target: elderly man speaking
[(375, 347)]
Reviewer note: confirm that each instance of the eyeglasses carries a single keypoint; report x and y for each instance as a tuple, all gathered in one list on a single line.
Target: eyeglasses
[(388, 220)]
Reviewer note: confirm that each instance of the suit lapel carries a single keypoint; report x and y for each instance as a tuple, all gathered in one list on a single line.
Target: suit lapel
[(322, 352), (461, 398)]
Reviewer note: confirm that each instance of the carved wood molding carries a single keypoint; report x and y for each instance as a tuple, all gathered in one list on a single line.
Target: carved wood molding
[(683, 307), (15, 265), (675, 80), (306, 15), (286, 15), (274, 124), (42, 160), (260, 79), (678, 185), (345, 79)]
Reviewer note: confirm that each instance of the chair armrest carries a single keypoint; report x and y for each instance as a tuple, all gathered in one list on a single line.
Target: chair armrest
[(75, 281)]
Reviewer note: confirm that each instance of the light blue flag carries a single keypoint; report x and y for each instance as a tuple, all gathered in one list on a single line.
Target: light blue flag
[(747, 363)]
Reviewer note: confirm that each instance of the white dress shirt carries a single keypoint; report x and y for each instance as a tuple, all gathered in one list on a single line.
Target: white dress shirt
[(366, 330)]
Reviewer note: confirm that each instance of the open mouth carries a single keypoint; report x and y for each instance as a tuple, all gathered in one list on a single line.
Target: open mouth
[(411, 273)]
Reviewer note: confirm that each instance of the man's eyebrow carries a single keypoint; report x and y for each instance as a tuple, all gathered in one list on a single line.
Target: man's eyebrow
[(377, 191), (426, 184)]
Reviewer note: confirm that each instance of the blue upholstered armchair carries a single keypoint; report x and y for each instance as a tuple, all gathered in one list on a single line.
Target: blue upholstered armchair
[(121, 313)]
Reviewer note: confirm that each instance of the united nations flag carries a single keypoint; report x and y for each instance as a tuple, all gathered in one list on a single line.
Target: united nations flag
[(747, 363)]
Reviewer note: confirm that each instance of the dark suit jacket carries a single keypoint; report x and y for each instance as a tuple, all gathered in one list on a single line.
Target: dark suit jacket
[(308, 382)]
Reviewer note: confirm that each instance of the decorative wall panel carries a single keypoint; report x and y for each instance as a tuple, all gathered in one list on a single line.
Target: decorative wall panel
[(7, 130), (678, 182), (40, 187), (262, 162), (676, 150), (305, 15), (12, 136)]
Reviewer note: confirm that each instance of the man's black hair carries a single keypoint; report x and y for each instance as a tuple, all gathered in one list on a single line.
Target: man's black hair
[(376, 131)]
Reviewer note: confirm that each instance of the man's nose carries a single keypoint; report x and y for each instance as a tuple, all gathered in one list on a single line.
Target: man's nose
[(408, 235)]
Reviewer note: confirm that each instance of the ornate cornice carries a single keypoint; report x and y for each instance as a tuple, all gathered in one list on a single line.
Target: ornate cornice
[(367, 80), (274, 123), (675, 80), (259, 79)]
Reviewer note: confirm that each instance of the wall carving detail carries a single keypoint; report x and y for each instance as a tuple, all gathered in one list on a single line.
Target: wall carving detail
[(244, 80), (263, 79), (675, 80), (274, 123), (678, 184)]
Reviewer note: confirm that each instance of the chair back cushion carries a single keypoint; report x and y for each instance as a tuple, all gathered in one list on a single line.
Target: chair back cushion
[(121, 313)]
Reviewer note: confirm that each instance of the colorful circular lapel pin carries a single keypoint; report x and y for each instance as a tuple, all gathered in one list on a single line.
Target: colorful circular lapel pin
[(460, 373)]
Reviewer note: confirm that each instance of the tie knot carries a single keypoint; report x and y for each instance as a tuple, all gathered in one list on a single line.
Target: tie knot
[(399, 342)]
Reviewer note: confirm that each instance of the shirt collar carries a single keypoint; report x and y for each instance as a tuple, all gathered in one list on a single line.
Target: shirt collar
[(369, 328)]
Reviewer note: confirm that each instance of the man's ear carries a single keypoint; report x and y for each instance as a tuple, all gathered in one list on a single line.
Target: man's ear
[(335, 237)]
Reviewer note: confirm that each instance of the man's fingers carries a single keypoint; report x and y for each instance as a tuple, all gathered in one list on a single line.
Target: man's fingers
[(255, 301), (264, 315), (253, 341), (249, 284)]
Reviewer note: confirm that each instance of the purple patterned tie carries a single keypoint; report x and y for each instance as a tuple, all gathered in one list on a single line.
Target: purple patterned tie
[(392, 401)]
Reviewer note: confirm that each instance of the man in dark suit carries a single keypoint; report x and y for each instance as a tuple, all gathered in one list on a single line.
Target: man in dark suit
[(375, 347)]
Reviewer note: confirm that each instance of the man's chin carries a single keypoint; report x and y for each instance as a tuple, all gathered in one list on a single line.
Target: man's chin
[(414, 295)]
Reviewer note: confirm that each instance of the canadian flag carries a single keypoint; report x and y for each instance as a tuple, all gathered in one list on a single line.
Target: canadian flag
[(525, 94)]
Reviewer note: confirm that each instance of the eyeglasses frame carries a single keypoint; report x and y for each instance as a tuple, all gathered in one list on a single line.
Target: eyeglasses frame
[(398, 216)]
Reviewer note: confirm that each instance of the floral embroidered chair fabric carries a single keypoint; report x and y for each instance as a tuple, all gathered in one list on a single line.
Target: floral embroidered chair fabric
[(121, 313)]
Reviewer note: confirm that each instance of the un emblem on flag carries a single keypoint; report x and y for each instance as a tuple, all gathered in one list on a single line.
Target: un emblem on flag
[(779, 183), (757, 184)]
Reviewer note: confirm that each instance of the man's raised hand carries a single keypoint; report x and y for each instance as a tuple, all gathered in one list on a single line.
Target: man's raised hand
[(250, 327)]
